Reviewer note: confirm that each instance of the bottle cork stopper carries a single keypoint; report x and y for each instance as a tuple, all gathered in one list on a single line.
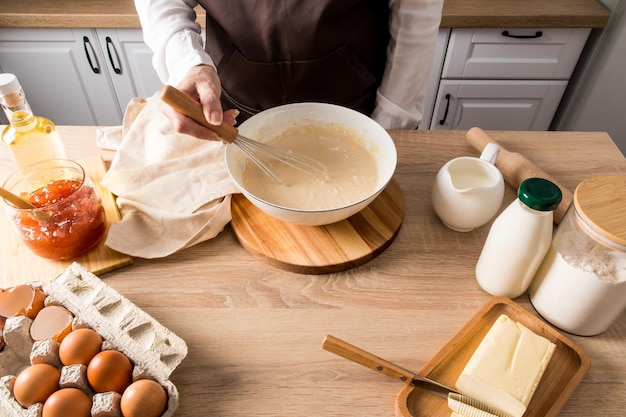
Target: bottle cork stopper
[(10, 89), (12, 99)]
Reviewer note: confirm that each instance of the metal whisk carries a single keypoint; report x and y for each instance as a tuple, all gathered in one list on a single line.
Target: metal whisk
[(257, 152)]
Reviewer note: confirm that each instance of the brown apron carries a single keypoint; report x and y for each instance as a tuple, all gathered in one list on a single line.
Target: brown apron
[(273, 52)]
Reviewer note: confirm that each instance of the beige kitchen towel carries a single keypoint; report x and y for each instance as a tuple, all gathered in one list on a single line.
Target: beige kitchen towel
[(173, 190)]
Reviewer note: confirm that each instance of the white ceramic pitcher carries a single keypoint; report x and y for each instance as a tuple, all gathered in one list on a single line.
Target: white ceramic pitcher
[(468, 191)]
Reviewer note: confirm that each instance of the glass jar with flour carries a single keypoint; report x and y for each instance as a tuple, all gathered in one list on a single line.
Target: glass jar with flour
[(580, 286)]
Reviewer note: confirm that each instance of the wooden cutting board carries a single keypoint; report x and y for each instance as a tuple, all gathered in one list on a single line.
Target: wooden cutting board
[(21, 265), (320, 249)]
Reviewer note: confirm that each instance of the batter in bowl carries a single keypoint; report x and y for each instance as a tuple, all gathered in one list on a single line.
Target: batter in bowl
[(352, 172)]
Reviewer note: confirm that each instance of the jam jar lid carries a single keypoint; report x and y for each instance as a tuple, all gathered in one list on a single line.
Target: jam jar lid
[(600, 203)]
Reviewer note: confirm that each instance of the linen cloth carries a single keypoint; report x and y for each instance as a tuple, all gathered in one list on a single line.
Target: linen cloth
[(173, 190)]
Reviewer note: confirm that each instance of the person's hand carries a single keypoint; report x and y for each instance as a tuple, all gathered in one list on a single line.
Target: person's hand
[(203, 84)]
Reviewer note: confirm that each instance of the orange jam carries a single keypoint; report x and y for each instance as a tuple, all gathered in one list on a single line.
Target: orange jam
[(68, 221)]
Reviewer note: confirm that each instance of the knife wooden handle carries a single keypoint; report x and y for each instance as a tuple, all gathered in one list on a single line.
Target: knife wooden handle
[(369, 360), (515, 168), (186, 105)]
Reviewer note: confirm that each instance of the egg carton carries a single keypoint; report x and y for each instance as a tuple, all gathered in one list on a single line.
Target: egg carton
[(154, 350)]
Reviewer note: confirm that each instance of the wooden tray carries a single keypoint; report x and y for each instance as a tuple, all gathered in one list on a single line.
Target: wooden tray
[(21, 265), (320, 249), (567, 367)]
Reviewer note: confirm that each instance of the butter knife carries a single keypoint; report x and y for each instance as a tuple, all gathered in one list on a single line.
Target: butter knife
[(369, 360)]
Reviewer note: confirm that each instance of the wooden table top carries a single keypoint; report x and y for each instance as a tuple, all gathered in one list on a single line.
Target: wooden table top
[(456, 13), (254, 332)]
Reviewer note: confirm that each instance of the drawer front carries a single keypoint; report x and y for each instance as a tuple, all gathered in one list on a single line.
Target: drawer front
[(517, 53), (497, 104)]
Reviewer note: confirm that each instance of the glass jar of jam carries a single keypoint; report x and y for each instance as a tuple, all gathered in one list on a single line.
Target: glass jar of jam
[(68, 219)]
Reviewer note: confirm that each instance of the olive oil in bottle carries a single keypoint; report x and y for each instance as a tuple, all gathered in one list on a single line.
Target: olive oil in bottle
[(28, 138)]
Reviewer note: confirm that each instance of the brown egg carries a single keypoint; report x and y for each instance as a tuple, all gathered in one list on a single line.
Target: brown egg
[(35, 384), (144, 398), (79, 347), (110, 370), (67, 402)]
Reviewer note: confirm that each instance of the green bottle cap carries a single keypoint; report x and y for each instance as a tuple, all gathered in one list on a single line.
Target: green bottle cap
[(539, 194)]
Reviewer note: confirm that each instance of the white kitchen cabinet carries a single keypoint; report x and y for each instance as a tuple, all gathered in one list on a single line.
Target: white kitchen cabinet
[(504, 79), (140, 79), (79, 76)]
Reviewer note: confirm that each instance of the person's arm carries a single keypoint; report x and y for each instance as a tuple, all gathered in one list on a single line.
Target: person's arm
[(171, 32), (414, 26)]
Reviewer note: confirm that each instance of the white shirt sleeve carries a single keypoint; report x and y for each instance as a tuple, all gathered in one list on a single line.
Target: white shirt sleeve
[(414, 26), (170, 30)]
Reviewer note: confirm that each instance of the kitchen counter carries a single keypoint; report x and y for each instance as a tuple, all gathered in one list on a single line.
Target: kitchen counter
[(254, 331), (456, 13)]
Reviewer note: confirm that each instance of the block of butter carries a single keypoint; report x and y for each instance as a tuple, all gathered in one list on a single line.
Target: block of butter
[(507, 366)]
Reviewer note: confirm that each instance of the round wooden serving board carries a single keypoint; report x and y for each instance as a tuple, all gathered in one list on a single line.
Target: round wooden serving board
[(320, 249)]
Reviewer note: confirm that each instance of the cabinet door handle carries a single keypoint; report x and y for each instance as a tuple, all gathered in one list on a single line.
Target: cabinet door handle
[(89, 52), (445, 114), (115, 63), (537, 34)]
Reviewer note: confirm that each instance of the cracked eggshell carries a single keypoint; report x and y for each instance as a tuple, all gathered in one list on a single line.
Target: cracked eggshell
[(21, 300), (52, 322)]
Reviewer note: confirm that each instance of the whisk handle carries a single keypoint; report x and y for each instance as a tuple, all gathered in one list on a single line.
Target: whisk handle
[(186, 105)]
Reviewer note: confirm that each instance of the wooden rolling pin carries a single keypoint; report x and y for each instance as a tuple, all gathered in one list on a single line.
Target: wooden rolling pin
[(515, 168)]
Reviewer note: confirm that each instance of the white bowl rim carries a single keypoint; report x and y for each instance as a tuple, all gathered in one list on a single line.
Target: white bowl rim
[(309, 106)]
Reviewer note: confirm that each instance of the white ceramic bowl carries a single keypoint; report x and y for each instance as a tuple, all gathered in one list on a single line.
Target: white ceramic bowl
[(270, 123)]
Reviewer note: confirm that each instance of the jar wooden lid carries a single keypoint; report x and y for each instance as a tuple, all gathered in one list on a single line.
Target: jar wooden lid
[(601, 203)]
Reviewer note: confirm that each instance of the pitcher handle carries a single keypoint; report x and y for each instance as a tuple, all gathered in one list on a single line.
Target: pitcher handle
[(490, 153)]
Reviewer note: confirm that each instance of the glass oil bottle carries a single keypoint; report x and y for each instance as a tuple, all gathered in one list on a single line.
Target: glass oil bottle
[(29, 138)]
